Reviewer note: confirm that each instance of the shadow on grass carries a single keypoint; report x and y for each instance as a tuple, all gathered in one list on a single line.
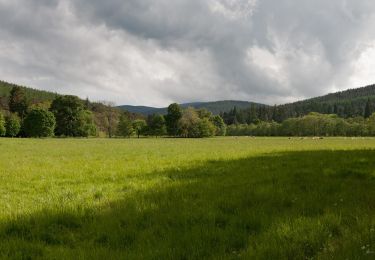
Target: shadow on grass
[(294, 205)]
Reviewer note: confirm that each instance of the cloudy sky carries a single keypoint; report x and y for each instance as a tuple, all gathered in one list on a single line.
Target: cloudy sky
[(154, 52)]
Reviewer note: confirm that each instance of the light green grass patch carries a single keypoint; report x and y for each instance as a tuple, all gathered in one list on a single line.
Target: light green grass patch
[(221, 198)]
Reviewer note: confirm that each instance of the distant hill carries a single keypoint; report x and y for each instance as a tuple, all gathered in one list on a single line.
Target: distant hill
[(214, 107)]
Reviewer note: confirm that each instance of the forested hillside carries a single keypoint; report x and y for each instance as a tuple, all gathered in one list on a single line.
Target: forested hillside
[(346, 104), (33, 95), (349, 103)]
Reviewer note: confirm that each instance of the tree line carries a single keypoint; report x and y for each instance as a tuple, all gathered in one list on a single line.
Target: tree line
[(346, 108), (313, 124), (178, 122), (69, 116)]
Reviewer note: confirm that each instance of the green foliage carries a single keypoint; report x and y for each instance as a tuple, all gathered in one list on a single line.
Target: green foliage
[(125, 126), (12, 125), (87, 126), (218, 198), (106, 117), (196, 123), (17, 101), (313, 124), (371, 125), (188, 124), (173, 116), (39, 123), (71, 117), (2, 124), (203, 113), (221, 128), (206, 128), (140, 127), (156, 125)]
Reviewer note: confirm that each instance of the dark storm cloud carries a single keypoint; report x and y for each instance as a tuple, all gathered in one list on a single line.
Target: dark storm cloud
[(159, 51)]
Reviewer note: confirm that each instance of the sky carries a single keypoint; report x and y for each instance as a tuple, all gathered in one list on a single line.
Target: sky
[(155, 52)]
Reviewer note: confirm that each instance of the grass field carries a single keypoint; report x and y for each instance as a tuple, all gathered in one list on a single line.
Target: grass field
[(222, 198)]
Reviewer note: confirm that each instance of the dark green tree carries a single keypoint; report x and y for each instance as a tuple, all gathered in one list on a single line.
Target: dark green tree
[(156, 125), (173, 116), (220, 126), (12, 125), (18, 102), (39, 123), (368, 109), (71, 117)]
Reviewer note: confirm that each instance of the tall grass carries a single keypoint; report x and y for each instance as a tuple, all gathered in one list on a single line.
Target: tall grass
[(224, 198)]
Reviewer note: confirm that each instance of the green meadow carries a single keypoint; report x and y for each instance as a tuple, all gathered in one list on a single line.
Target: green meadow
[(219, 198)]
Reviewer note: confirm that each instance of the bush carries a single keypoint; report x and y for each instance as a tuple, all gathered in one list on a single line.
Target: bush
[(39, 123), (12, 125)]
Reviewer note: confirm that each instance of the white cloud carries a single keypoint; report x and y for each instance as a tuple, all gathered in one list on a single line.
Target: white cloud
[(364, 67), (153, 52)]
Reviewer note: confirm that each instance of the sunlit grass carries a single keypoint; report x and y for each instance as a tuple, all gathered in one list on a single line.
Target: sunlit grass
[(216, 198)]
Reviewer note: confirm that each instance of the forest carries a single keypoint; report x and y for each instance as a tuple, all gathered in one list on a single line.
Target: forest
[(33, 113)]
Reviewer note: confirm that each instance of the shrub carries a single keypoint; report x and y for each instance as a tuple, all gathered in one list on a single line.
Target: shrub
[(12, 125)]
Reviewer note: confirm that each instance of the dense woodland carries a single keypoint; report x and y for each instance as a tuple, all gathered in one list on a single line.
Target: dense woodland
[(27, 112), (346, 104)]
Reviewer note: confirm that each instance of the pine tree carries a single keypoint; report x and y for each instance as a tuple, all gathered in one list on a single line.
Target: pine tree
[(368, 109), (17, 102)]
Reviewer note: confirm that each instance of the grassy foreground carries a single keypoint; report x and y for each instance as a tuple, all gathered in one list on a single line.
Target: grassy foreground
[(223, 198)]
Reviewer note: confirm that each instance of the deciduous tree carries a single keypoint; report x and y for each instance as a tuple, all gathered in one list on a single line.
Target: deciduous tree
[(139, 126), (39, 123), (173, 116)]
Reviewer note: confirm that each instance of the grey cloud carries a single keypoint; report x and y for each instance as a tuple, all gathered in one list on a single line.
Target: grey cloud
[(152, 52)]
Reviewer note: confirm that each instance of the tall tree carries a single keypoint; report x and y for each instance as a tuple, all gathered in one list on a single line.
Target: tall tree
[(17, 101), (71, 117), (125, 126), (156, 125), (110, 116), (188, 124), (368, 109), (174, 114), (218, 122)]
